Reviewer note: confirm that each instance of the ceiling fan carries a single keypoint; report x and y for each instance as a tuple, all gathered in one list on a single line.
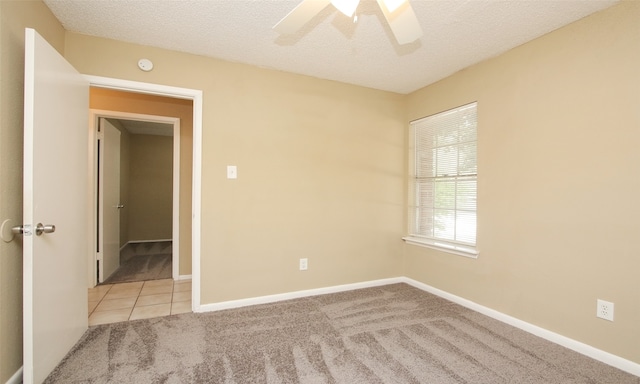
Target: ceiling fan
[(399, 15)]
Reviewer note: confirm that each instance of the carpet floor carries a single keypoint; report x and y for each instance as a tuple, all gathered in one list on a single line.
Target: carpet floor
[(389, 334), (143, 261)]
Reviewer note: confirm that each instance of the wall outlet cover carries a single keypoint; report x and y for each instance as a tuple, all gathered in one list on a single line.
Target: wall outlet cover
[(604, 310)]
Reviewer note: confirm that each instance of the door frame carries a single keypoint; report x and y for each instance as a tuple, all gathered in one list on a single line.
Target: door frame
[(196, 194), (95, 115)]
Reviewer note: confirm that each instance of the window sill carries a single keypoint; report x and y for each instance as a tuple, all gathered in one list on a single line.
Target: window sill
[(455, 249)]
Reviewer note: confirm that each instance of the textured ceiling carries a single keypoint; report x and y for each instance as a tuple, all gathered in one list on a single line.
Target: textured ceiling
[(457, 34)]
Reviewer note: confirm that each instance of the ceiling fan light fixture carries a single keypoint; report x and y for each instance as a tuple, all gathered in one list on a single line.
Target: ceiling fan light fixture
[(348, 7), (399, 15), (392, 5)]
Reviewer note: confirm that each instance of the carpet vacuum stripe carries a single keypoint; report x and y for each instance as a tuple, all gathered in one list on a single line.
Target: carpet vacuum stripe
[(389, 334)]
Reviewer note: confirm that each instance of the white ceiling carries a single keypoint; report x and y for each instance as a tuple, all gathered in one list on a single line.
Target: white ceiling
[(139, 127), (457, 34)]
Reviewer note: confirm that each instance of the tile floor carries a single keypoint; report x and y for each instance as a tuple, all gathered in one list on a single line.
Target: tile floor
[(113, 303)]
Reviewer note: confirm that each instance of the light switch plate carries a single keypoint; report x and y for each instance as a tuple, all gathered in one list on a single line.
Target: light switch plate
[(232, 172)]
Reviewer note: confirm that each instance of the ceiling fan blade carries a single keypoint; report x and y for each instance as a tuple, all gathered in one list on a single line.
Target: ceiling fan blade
[(403, 22), (300, 15)]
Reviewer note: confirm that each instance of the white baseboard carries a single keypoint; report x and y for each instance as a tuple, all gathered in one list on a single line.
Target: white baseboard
[(183, 277), (294, 295), (16, 378), (584, 349), (147, 241)]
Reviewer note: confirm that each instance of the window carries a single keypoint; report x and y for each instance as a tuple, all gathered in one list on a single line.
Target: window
[(444, 181)]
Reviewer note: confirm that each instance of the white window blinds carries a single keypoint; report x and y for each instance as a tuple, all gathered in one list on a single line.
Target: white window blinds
[(444, 183)]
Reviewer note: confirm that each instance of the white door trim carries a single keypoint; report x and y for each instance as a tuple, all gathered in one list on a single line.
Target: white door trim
[(180, 93), (95, 115)]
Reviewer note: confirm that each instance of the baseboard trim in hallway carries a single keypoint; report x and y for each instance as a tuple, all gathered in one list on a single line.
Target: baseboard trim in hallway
[(17, 377)]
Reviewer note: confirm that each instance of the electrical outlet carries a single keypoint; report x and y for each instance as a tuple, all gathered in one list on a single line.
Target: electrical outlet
[(303, 264), (605, 310)]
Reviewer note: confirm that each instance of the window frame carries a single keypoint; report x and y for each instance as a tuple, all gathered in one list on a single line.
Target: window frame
[(449, 246)]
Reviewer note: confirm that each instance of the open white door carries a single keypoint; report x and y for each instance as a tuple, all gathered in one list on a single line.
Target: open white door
[(109, 203), (56, 192)]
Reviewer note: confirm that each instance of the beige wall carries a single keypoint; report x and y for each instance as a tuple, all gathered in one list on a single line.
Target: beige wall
[(320, 168), (151, 188), (14, 17), (558, 158), (111, 100)]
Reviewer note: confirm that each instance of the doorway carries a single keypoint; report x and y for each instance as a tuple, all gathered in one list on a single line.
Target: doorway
[(187, 209), (138, 197)]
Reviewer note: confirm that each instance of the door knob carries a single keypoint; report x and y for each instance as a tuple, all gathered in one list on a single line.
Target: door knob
[(120, 206), (40, 229)]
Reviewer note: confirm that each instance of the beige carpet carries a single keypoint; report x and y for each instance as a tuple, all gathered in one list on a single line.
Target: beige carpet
[(389, 334), (142, 262)]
